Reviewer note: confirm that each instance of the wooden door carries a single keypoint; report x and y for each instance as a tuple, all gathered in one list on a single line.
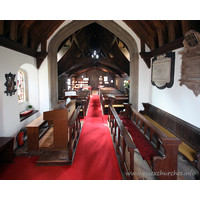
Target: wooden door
[(94, 82)]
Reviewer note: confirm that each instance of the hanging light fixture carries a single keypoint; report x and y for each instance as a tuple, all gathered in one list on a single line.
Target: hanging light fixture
[(95, 55)]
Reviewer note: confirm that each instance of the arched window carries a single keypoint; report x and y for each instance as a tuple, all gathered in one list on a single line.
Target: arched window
[(21, 86)]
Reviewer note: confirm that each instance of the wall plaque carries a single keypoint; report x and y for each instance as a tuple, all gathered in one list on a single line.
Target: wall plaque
[(190, 69), (163, 70), (10, 84)]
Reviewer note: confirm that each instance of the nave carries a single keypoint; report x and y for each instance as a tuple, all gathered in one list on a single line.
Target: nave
[(95, 157)]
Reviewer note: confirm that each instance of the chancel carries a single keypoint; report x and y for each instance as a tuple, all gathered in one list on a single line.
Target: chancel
[(78, 121)]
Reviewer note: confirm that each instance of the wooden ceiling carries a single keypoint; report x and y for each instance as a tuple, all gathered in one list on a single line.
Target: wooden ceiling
[(76, 51), (78, 58)]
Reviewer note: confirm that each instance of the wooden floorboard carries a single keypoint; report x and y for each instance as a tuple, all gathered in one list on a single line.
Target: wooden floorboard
[(22, 151), (53, 158)]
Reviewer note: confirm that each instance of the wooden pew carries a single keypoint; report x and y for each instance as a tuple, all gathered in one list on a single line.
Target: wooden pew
[(103, 92), (120, 99), (60, 118), (124, 143), (164, 162), (109, 90), (174, 127), (84, 106), (45, 122), (58, 144), (84, 95), (118, 103), (74, 127), (35, 130), (82, 98)]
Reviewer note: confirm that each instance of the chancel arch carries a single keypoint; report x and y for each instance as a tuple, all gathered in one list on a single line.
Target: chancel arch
[(72, 27)]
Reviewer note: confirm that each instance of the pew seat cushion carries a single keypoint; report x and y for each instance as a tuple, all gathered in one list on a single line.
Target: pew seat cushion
[(143, 145), (183, 148)]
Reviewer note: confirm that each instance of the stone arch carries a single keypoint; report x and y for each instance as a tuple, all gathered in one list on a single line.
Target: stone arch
[(72, 27)]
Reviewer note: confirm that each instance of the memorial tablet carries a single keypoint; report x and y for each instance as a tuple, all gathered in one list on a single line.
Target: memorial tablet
[(190, 69), (163, 70)]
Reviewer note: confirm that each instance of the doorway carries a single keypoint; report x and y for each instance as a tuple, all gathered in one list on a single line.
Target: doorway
[(94, 82)]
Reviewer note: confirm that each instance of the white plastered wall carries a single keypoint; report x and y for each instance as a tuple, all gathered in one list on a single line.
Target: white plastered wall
[(11, 61), (177, 100), (43, 77)]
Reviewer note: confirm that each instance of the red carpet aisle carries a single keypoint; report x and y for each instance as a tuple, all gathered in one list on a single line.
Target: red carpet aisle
[(95, 157)]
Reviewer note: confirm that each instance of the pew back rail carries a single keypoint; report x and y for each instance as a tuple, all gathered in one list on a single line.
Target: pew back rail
[(120, 133), (74, 132)]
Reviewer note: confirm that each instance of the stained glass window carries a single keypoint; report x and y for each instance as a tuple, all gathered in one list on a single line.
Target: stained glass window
[(106, 80), (20, 86)]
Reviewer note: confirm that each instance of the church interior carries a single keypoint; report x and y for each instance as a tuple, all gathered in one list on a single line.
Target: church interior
[(100, 99)]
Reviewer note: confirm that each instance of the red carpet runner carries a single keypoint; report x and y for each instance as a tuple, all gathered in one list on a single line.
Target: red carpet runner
[(95, 157)]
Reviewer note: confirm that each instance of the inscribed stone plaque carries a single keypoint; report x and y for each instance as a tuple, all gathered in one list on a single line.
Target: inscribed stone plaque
[(190, 69), (163, 71)]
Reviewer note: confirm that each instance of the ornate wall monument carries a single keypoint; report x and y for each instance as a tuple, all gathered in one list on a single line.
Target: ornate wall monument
[(190, 69)]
